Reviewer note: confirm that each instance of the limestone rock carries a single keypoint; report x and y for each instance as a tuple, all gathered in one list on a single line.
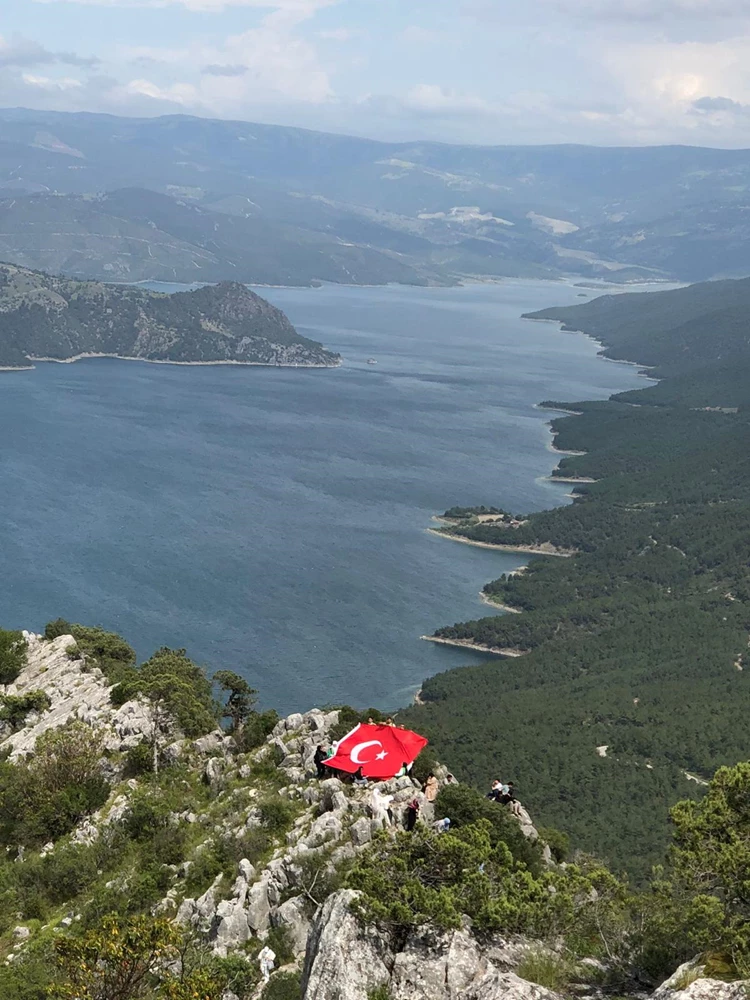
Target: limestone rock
[(133, 723), (701, 988), (361, 831), (324, 828), (293, 916), (343, 961), (258, 908), (437, 966), (507, 986)]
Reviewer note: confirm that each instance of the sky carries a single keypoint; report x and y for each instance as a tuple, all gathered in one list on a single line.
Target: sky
[(605, 72)]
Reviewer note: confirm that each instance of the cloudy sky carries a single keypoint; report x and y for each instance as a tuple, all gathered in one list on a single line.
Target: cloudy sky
[(489, 71)]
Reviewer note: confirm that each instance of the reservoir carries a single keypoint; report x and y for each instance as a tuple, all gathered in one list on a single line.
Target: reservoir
[(272, 521)]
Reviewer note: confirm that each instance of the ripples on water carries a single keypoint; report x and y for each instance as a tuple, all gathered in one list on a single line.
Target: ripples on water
[(272, 520)]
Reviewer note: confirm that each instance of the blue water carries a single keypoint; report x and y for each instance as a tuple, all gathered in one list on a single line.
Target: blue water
[(273, 521)]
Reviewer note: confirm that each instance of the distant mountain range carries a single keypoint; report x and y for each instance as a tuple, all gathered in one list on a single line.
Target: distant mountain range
[(187, 199), (57, 319)]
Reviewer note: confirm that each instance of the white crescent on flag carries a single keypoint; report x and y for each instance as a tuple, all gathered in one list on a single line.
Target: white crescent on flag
[(363, 746)]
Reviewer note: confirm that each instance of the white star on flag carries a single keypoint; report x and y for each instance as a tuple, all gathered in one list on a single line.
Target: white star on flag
[(382, 755)]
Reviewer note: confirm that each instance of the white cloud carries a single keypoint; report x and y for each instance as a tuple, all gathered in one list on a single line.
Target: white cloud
[(432, 98), (46, 83)]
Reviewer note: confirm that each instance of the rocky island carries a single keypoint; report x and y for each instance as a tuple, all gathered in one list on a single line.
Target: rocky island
[(47, 318)]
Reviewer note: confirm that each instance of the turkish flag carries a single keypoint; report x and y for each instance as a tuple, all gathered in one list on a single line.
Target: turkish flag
[(381, 751)]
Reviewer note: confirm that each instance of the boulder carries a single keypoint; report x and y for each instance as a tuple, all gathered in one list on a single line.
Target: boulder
[(292, 915), (324, 828), (680, 987), (344, 961), (258, 909), (133, 723), (361, 831), (507, 986), (213, 773), (434, 966)]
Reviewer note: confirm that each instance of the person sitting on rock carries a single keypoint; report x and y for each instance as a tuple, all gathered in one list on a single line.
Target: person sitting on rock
[(508, 794), (431, 787), (359, 779), (496, 790), (412, 814), (442, 825), (321, 756)]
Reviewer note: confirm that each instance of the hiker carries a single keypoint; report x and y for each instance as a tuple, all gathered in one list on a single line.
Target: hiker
[(412, 815), (266, 959), (404, 770), (450, 780), (431, 787), (442, 825), (389, 721), (496, 790), (321, 755), (359, 779)]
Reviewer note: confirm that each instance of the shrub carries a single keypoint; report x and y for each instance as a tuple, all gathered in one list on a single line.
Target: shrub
[(13, 649), (545, 968), (557, 841), (276, 814), (139, 760), (257, 727), (15, 708), (279, 940), (45, 796), (106, 650), (284, 986)]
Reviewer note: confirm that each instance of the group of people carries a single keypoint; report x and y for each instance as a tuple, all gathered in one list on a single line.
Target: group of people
[(505, 794)]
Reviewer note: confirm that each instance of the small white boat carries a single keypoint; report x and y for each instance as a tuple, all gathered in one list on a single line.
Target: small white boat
[(371, 361)]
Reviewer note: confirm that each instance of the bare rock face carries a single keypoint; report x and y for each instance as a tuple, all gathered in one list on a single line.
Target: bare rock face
[(343, 961), (77, 690), (437, 966), (700, 988)]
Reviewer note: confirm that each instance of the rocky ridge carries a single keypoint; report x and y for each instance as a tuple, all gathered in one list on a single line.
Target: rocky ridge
[(284, 892)]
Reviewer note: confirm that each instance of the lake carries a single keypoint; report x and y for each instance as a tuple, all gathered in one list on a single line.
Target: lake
[(272, 521)]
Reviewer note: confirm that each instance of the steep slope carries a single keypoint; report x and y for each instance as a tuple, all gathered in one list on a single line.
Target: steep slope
[(44, 317)]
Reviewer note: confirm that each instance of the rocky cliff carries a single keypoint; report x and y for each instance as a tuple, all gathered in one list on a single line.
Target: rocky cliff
[(45, 317)]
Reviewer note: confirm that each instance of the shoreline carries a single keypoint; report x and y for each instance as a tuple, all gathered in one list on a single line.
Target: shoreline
[(468, 644), (486, 599), (535, 550), (157, 361), (570, 479)]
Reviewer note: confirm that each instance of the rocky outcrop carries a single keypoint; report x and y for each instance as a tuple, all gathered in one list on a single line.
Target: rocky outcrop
[(346, 961), (77, 690), (690, 983)]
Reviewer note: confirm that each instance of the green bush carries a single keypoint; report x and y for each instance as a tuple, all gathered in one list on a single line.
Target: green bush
[(53, 630), (279, 940), (546, 968), (15, 708), (139, 760), (284, 986), (276, 814), (173, 682), (557, 841), (13, 649), (465, 805), (257, 727)]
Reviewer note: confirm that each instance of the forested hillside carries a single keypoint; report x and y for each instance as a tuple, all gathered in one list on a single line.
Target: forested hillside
[(47, 318), (635, 685)]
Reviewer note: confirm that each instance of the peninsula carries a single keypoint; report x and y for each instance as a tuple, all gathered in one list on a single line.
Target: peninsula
[(47, 318)]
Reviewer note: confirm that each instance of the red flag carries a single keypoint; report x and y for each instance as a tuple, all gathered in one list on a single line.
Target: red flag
[(381, 751)]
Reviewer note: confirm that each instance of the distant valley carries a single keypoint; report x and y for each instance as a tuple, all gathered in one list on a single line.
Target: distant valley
[(188, 199)]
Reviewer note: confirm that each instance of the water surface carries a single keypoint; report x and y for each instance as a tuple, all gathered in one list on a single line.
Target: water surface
[(273, 521)]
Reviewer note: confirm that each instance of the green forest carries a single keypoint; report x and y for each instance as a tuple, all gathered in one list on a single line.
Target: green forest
[(635, 685)]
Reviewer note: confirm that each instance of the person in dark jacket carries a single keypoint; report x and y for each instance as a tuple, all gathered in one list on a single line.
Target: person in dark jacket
[(319, 760), (412, 814)]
